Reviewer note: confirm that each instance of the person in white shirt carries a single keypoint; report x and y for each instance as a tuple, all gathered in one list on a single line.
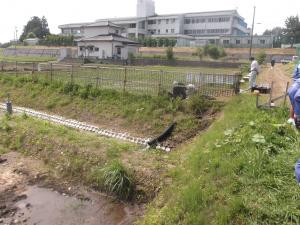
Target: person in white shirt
[(253, 72)]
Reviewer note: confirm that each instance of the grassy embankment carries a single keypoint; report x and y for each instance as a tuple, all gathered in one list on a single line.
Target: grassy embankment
[(105, 164), (139, 115), (24, 58), (241, 171)]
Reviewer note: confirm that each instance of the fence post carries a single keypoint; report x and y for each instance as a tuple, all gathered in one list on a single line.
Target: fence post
[(72, 70), (125, 79), (16, 68), (271, 93), (160, 82), (33, 68), (51, 73)]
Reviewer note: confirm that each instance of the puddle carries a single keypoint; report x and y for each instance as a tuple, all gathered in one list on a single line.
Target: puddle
[(47, 207)]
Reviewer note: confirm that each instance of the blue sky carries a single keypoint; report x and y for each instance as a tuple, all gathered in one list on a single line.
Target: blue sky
[(15, 13)]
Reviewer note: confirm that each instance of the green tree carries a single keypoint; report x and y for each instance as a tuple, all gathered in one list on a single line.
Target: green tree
[(278, 36), (160, 42), (166, 42), (292, 30), (36, 25)]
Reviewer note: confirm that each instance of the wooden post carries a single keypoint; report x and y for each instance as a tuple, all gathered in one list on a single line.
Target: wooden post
[(285, 94), (72, 78), (160, 82), (125, 79), (16, 68), (51, 73), (257, 100), (270, 99), (33, 68)]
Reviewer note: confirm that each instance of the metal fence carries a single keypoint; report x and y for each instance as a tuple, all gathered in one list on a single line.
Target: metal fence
[(128, 79)]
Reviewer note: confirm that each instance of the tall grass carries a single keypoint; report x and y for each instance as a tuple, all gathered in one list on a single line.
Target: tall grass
[(239, 172), (117, 180)]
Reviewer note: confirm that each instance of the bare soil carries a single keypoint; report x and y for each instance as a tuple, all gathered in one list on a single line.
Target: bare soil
[(278, 76)]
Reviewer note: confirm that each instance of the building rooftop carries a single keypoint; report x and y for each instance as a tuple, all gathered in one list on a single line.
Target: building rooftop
[(109, 37)]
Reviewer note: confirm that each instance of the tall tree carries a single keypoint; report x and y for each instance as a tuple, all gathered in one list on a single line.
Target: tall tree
[(292, 30), (278, 36), (37, 26)]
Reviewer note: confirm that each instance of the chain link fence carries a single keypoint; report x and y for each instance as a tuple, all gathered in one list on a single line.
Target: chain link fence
[(129, 79)]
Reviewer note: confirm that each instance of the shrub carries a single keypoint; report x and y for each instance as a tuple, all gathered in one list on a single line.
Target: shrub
[(214, 52), (261, 57), (199, 52), (170, 53), (198, 104), (117, 180)]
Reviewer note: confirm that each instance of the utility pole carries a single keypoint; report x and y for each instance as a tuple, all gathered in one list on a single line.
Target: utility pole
[(16, 39), (251, 38)]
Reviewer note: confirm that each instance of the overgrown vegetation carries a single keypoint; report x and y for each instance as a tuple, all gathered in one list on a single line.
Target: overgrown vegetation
[(214, 51), (84, 157), (261, 57), (169, 53), (137, 114), (239, 172)]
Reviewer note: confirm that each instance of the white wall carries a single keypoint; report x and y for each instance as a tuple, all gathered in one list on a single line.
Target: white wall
[(106, 49)]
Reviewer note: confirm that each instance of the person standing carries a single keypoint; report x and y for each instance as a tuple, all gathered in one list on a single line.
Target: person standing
[(296, 76), (254, 70), (272, 63)]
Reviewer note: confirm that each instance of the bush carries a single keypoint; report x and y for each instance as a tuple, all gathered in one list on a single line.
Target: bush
[(261, 57), (214, 51), (170, 53), (198, 104), (117, 180), (199, 52)]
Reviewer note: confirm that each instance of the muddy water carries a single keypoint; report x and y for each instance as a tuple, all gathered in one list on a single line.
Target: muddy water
[(47, 207), (21, 203)]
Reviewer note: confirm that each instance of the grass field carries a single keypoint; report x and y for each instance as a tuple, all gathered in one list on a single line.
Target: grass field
[(241, 171)]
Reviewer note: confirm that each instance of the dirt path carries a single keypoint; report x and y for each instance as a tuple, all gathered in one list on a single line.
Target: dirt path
[(278, 76)]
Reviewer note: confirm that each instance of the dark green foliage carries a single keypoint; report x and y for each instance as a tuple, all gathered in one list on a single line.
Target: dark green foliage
[(292, 30), (58, 40), (214, 51), (157, 42), (37, 26)]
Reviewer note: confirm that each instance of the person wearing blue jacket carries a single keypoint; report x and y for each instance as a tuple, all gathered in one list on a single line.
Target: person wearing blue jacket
[(297, 171), (292, 92)]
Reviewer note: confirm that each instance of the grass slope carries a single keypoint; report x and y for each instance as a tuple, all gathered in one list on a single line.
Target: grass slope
[(139, 115), (239, 172), (105, 164)]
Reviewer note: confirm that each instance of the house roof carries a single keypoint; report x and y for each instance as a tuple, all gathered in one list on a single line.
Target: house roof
[(108, 37)]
